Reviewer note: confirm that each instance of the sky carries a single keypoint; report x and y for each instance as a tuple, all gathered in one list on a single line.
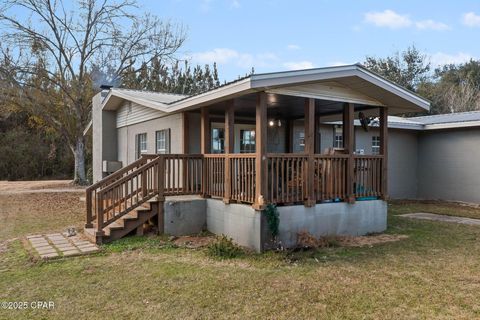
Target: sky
[(276, 35)]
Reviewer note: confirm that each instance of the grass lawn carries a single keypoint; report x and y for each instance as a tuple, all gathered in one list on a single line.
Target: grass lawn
[(435, 273)]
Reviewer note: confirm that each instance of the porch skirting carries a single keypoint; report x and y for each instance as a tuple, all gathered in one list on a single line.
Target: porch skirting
[(248, 227)]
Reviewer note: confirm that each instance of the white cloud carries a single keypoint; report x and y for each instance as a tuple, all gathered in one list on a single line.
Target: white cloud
[(389, 19), (296, 65), (293, 47), (231, 56), (432, 25), (471, 19), (441, 58)]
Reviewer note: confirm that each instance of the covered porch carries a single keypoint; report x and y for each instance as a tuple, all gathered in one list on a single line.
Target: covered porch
[(266, 147)]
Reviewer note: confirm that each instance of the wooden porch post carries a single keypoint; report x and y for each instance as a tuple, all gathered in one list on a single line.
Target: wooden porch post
[(204, 144), (205, 131), (310, 150), (348, 145), (229, 144), (260, 150), (384, 150), (186, 140)]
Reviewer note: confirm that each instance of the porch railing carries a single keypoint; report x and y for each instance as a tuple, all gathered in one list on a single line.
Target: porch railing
[(288, 179)]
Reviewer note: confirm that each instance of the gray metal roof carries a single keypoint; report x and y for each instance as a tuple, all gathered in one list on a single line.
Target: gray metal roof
[(351, 77), (448, 118)]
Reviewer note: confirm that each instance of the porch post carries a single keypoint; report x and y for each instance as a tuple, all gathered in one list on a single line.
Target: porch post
[(229, 144), (309, 175), (185, 133), (205, 131), (384, 150), (204, 145), (260, 150), (348, 145)]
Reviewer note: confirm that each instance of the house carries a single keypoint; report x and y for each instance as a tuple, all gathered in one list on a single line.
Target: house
[(287, 138)]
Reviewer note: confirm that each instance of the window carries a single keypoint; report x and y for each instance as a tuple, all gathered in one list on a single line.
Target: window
[(247, 141), (218, 140), (141, 144), (162, 141), (375, 145), (338, 137)]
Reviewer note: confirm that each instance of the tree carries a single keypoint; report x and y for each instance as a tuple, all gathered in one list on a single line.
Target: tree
[(454, 88), (59, 56), (409, 68)]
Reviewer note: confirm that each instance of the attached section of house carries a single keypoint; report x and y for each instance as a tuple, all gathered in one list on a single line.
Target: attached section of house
[(313, 142)]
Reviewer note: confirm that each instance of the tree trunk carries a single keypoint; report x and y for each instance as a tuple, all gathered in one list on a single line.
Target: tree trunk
[(79, 156)]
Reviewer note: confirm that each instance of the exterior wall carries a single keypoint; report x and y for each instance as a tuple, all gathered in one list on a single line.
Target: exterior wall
[(130, 113), (237, 221), (194, 133), (448, 165), (402, 164), (184, 215), (340, 218), (126, 136), (104, 137)]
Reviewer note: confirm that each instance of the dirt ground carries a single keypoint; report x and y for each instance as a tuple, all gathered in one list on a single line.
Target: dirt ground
[(13, 187)]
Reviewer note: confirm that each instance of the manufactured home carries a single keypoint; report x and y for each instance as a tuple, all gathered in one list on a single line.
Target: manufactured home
[(319, 144)]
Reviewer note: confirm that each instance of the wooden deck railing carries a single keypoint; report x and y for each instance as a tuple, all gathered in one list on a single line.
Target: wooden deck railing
[(242, 167), (214, 175), (91, 191), (128, 192), (286, 178), (368, 176), (330, 177), (183, 174), (286, 174)]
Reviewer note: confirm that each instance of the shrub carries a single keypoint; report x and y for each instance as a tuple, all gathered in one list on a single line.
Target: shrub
[(224, 248)]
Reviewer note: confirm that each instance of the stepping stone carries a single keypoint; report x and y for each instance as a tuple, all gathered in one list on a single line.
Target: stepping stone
[(46, 251), (49, 255), (70, 252), (43, 247), (88, 249), (66, 248), (37, 240)]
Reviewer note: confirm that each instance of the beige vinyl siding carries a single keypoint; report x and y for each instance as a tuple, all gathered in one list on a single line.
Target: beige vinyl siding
[(131, 113)]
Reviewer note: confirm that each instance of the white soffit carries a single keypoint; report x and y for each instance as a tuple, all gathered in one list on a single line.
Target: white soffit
[(329, 90)]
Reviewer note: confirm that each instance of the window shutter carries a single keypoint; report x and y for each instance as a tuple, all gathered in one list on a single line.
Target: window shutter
[(167, 141)]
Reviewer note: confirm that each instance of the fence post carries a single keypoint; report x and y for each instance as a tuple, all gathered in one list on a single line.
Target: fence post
[(161, 196), (88, 200), (99, 232)]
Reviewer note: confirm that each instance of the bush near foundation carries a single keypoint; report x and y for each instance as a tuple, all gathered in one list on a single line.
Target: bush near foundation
[(224, 248)]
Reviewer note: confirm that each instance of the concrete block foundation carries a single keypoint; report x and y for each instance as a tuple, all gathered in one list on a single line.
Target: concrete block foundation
[(248, 228)]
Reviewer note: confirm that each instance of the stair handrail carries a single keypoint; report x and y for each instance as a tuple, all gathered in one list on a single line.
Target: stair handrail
[(158, 175), (90, 192)]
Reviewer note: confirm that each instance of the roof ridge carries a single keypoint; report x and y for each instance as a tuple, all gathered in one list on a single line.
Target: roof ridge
[(150, 91)]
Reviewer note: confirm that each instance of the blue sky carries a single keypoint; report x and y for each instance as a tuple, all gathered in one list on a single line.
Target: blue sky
[(274, 35)]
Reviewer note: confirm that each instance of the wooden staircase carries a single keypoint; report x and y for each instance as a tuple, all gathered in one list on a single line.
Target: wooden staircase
[(131, 222), (125, 200)]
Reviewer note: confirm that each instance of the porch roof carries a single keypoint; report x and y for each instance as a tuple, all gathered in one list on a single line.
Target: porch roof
[(350, 83)]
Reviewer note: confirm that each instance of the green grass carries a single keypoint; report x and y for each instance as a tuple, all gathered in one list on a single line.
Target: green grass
[(435, 273)]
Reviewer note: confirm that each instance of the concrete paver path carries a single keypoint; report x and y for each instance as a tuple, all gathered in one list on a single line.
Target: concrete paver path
[(59, 244), (441, 217)]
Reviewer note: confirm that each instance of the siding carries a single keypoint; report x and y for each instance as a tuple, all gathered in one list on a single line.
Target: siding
[(131, 113), (126, 136), (449, 165)]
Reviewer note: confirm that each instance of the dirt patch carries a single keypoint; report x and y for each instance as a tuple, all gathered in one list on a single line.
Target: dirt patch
[(193, 242), (25, 214), (12, 187), (307, 240), (362, 241)]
